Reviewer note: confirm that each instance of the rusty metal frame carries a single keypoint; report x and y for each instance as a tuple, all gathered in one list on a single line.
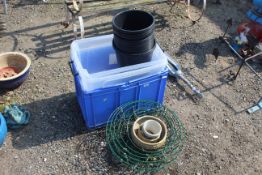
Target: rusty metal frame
[(244, 60), (74, 7)]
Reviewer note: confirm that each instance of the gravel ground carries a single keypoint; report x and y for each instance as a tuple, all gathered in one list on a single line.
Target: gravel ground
[(222, 137)]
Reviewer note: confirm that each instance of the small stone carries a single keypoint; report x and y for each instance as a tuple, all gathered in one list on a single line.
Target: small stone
[(103, 144), (45, 159), (215, 137), (199, 126), (11, 93), (226, 121), (181, 96)]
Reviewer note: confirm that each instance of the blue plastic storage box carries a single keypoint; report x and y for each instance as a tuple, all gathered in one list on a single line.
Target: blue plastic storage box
[(102, 85)]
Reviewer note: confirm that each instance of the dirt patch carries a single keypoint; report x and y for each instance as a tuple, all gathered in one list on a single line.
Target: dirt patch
[(222, 137)]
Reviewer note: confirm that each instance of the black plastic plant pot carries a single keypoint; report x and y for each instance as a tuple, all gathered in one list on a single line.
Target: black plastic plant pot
[(133, 36), (134, 46), (133, 24), (126, 59)]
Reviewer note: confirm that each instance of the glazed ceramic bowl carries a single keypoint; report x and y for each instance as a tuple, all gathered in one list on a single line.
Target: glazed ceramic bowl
[(20, 62)]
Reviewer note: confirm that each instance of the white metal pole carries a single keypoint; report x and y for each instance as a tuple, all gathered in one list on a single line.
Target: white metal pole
[(5, 6)]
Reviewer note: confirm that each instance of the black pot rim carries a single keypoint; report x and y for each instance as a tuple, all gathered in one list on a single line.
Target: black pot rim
[(132, 31)]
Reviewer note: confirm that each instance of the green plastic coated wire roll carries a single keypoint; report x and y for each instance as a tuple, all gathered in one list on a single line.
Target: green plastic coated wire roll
[(124, 150)]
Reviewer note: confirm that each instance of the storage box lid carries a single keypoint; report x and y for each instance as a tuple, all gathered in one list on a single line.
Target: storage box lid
[(94, 60)]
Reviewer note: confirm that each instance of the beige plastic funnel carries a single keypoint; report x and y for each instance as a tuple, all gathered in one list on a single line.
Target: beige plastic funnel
[(140, 138)]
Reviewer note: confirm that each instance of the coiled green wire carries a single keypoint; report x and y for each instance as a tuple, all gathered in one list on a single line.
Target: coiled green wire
[(123, 148)]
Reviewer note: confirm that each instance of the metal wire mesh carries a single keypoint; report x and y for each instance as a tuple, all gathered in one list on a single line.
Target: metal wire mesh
[(123, 149)]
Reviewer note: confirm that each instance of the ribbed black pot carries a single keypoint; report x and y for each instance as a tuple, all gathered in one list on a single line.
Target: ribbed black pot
[(134, 39), (134, 46), (127, 59)]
